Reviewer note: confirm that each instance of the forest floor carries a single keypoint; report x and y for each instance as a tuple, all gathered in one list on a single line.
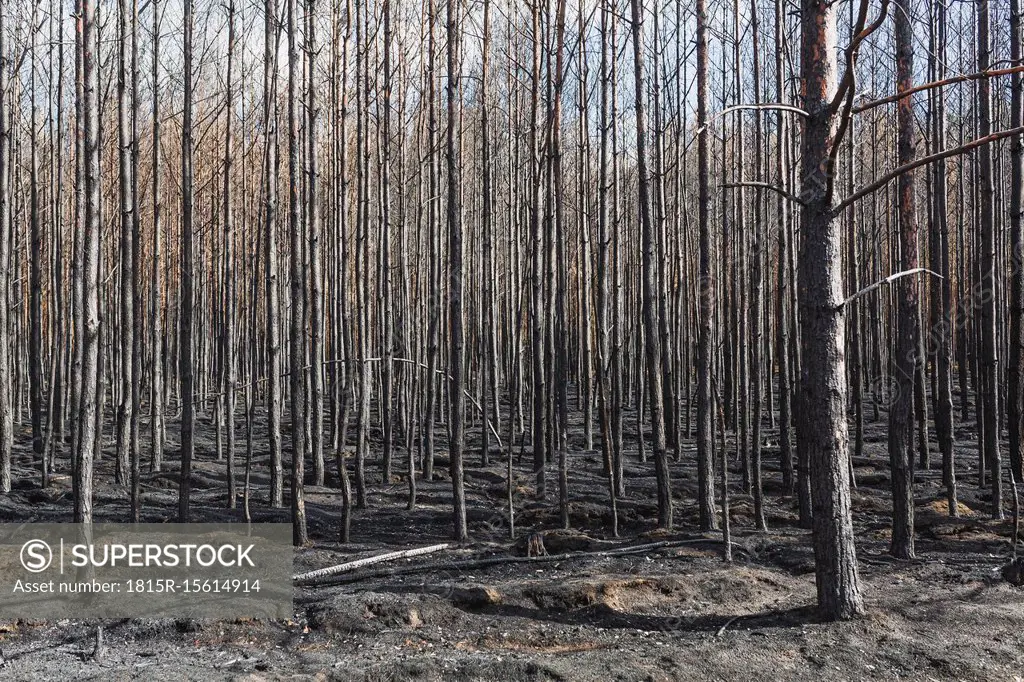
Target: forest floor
[(676, 612)]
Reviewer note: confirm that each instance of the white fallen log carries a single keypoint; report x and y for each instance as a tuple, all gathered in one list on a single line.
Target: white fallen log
[(359, 563)]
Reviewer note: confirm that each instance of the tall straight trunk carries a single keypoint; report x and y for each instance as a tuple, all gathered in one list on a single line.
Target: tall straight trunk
[(987, 263), (433, 230), (186, 321), (228, 332), (270, 209), (901, 417), (126, 341), (942, 289), (706, 303), (537, 332), (1015, 376), (489, 357), (316, 312), (559, 327), (604, 268), (756, 293), (457, 341), (670, 411), (157, 346), (342, 188), (782, 302), (57, 402), (297, 345), (586, 296), (652, 339), (35, 341), (6, 408), (134, 453), (78, 251), (88, 269), (362, 258), (387, 302), (740, 298), (823, 390)]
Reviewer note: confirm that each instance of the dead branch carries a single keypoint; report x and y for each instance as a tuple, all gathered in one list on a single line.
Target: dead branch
[(360, 563), (470, 564), (952, 80), (881, 283)]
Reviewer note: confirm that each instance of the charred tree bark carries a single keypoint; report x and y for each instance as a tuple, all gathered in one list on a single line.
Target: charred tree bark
[(186, 365), (455, 306), (705, 341), (901, 415), (652, 339), (822, 316), (987, 264)]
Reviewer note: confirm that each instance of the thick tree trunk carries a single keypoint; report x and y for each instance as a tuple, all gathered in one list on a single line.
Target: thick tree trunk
[(823, 430)]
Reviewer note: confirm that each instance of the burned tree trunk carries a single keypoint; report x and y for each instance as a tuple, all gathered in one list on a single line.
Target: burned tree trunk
[(822, 398), (901, 415), (457, 340), (186, 365), (649, 279), (705, 361)]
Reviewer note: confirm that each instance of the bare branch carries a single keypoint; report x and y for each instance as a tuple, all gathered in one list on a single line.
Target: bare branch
[(888, 280), (952, 80), (765, 185), (923, 161)]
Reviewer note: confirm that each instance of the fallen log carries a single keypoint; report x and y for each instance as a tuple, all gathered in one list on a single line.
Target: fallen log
[(333, 580), (368, 561)]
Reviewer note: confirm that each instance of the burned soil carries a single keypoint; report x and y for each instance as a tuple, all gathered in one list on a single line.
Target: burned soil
[(669, 608)]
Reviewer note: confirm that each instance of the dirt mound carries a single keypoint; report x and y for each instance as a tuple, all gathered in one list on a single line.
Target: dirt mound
[(374, 612), (740, 590)]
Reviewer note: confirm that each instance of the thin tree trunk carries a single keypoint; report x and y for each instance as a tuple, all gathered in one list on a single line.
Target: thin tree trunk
[(297, 276), (270, 173), (457, 348), (652, 340), (987, 264), (228, 332), (901, 416), (705, 361), (156, 408), (186, 321)]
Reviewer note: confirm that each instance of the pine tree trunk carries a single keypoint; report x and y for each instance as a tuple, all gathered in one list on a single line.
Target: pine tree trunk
[(455, 306), (652, 339), (186, 356), (297, 276), (706, 312), (987, 262), (901, 417), (823, 390)]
